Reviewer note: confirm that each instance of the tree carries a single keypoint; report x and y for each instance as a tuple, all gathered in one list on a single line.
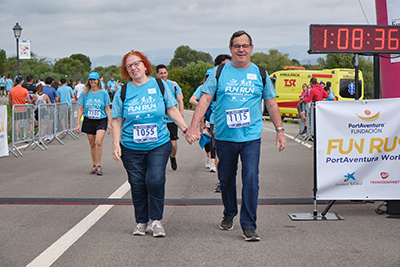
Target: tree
[(183, 55), (273, 61), (85, 60), (3, 61), (70, 68)]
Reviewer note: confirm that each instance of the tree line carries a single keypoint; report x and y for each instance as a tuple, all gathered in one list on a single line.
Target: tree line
[(187, 67)]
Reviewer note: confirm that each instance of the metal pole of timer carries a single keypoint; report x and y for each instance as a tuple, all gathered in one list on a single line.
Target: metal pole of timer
[(314, 216)]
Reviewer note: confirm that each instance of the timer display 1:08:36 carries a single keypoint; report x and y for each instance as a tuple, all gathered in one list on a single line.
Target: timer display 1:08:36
[(354, 39)]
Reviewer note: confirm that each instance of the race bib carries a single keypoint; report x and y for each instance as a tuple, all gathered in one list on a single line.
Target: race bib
[(236, 118), (94, 113), (143, 133)]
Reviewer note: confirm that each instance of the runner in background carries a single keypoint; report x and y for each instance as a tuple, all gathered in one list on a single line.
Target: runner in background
[(94, 104)]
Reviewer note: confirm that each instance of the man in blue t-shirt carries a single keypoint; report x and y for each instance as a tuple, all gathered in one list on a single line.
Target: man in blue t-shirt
[(112, 87), (162, 73), (3, 85), (50, 91), (9, 84), (65, 93), (238, 124)]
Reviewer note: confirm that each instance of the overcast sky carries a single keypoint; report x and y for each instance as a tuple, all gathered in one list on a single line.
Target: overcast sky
[(58, 28)]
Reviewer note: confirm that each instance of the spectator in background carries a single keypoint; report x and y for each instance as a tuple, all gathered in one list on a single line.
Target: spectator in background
[(19, 96), (176, 91), (38, 99), (9, 84), (65, 94), (222, 59), (3, 85), (317, 93), (50, 91), (79, 88), (103, 85), (330, 92), (41, 82), (302, 112), (29, 85)]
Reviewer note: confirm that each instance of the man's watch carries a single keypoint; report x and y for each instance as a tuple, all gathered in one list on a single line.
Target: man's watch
[(279, 128)]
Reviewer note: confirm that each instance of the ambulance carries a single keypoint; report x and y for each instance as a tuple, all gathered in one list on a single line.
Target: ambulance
[(288, 85)]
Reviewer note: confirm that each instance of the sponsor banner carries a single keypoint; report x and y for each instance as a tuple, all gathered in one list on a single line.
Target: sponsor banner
[(393, 14), (3, 131), (358, 149), (25, 49)]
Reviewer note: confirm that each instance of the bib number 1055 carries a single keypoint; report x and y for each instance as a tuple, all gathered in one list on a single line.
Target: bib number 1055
[(143, 133)]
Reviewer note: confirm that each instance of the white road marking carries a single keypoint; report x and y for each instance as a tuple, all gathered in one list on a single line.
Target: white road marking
[(52, 253)]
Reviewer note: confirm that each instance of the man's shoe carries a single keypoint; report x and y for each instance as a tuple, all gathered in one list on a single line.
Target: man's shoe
[(304, 131), (157, 228), (174, 166), (208, 163), (227, 223), (218, 188), (141, 229), (250, 234), (213, 168)]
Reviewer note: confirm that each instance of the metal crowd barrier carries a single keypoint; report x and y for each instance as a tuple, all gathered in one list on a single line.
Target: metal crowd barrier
[(73, 119), (61, 121), (309, 134), (46, 123), (22, 129)]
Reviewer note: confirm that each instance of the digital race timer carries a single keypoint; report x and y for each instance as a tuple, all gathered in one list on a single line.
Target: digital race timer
[(354, 39)]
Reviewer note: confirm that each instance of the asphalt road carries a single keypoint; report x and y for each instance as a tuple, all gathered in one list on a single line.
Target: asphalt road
[(53, 211)]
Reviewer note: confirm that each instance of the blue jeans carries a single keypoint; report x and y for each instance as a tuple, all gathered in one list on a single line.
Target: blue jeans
[(228, 153), (146, 175)]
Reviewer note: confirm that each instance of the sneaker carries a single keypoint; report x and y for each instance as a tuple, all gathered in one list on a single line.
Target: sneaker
[(250, 234), (141, 229), (157, 229), (213, 168), (218, 188), (227, 223), (174, 166), (208, 163), (99, 170), (304, 131), (93, 170)]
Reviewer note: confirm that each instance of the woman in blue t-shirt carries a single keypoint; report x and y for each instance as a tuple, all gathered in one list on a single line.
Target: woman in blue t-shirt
[(94, 104), (141, 139)]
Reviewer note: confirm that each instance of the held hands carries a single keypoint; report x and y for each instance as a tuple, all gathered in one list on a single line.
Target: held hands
[(192, 135)]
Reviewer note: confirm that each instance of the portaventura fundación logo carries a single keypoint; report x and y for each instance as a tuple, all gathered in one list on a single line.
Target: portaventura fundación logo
[(367, 128)]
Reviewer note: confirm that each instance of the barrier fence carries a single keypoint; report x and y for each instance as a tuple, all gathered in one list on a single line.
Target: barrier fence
[(53, 120), (22, 127), (307, 131)]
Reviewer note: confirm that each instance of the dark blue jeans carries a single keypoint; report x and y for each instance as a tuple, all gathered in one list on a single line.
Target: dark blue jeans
[(228, 153), (146, 175)]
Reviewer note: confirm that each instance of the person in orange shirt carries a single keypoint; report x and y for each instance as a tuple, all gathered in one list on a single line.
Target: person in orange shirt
[(19, 96)]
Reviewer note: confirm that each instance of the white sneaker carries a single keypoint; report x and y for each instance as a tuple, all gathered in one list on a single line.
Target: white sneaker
[(208, 163), (213, 168), (157, 228)]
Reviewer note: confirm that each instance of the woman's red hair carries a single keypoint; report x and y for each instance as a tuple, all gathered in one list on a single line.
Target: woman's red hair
[(143, 58)]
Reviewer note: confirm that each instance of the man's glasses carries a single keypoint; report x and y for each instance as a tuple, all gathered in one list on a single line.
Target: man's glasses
[(134, 64), (237, 46)]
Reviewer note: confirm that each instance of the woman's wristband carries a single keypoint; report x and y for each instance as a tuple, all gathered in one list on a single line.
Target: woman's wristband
[(184, 132)]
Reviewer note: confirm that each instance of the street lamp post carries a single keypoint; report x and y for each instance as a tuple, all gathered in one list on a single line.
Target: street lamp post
[(17, 33)]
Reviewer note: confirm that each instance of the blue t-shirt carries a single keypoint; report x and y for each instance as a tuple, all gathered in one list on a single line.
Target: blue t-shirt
[(9, 84), (65, 94), (50, 92), (94, 104), (238, 111), (331, 97), (198, 93), (144, 127), (103, 85), (175, 90), (2, 82), (113, 85)]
